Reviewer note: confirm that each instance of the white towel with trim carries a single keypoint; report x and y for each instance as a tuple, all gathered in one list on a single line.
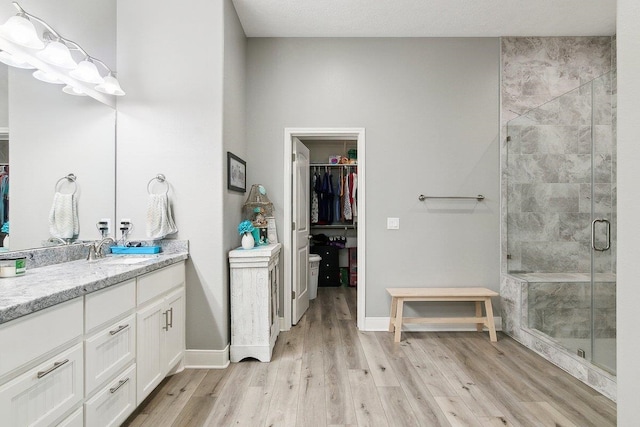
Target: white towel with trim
[(159, 219), (63, 217)]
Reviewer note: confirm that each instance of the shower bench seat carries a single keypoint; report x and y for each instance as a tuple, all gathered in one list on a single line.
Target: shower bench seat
[(478, 295)]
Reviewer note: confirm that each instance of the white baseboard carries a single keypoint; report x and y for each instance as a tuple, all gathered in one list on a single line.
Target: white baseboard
[(382, 324), (206, 359), (282, 325)]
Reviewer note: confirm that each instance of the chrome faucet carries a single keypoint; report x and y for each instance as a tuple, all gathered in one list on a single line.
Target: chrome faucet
[(99, 251), (95, 249), (57, 240)]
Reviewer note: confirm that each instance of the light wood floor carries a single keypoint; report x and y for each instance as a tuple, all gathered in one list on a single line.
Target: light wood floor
[(324, 372)]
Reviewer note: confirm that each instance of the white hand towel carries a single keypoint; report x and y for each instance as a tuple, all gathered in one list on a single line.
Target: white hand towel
[(63, 218), (159, 219)]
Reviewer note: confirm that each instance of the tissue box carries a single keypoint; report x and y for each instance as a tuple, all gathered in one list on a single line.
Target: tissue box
[(334, 160), (138, 250)]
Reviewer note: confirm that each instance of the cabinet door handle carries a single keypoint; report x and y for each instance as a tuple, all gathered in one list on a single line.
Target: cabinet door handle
[(120, 384), (55, 366), (171, 317), (120, 329), (166, 320)]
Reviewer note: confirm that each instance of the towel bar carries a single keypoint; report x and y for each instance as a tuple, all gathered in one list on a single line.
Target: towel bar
[(479, 197)]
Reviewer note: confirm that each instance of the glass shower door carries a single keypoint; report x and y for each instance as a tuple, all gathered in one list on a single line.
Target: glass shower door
[(604, 224), (561, 218)]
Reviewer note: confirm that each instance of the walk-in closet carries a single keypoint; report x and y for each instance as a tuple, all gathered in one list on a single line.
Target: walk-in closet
[(334, 212)]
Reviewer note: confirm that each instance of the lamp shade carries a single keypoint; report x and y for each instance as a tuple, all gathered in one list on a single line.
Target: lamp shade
[(20, 30), (73, 91), (87, 72), (110, 86), (57, 54), (47, 78), (15, 61)]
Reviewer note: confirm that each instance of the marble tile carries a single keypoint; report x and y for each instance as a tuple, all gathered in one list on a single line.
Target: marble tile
[(602, 168), (532, 168), (550, 197), (574, 227), (533, 226), (575, 108), (574, 168), (542, 139), (556, 257)]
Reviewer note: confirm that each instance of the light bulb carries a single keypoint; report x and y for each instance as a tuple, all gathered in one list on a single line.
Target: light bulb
[(20, 30), (57, 54), (110, 86), (15, 61), (47, 78), (73, 91), (87, 72)]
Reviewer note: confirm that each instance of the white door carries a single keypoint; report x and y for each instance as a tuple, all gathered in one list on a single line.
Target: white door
[(301, 218)]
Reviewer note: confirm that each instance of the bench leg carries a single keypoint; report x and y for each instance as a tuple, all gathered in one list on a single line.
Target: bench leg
[(479, 314), (392, 317), (490, 321), (398, 320)]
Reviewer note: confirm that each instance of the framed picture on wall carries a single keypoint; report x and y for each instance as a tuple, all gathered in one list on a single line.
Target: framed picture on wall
[(236, 173)]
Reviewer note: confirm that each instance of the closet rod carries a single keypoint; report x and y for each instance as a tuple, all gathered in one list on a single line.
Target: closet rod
[(479, 197)]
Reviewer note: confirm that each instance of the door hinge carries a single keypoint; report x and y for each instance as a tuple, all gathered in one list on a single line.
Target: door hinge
[(293, 294), (293, 157), (293, 226), (509, 139)]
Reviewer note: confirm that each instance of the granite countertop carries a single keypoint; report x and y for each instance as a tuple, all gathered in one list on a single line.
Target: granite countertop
[(44, 287)]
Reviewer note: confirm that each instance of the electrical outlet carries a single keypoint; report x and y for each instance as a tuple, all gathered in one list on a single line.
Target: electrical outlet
[(125, 222), (108, 221)]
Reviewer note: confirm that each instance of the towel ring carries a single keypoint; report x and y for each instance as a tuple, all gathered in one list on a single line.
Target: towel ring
[(71, 178), (160, 178)]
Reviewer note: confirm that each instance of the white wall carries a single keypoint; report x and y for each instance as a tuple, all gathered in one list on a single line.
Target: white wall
[(170, 59), (430, 110), (4, 95), (628, 277)]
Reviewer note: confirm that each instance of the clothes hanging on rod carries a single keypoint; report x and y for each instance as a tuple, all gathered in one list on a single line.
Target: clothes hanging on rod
[(4, 194)]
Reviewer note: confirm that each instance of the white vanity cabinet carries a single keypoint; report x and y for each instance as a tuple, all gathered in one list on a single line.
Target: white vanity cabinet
[(81, 362), (254, 292), (161, 326), (43, 371)]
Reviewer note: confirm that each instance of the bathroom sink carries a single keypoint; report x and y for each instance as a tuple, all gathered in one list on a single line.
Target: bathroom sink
[(126, 260)]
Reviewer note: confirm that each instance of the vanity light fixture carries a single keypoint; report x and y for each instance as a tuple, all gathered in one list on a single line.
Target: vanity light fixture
[(43, 76), (58, 54), (15, 61), (52, 55), (20, 30), (73, 91), (110, 86)]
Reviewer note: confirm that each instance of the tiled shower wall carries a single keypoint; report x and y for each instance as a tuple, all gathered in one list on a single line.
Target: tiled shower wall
[(546, 197)]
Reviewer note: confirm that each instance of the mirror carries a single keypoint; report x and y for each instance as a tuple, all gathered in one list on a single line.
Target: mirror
[(52, 134)]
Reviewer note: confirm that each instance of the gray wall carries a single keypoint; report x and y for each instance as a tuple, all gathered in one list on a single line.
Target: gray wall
[(430, 110), (628, 291), (233, 128), (171, 122)]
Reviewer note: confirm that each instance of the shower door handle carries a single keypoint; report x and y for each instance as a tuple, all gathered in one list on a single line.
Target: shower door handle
[(593, 234)]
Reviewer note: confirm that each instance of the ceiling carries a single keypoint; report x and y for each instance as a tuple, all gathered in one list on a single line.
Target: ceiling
[(426, 18)]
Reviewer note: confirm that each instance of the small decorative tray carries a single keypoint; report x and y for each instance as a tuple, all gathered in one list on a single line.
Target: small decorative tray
[(134, 250)]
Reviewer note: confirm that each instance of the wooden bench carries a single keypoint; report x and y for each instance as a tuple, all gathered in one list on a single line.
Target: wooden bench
[(477, 295)]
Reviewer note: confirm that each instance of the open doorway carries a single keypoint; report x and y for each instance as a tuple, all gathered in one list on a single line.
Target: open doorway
[(298, 160)]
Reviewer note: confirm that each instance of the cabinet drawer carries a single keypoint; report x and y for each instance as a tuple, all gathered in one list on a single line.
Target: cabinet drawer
[(107, 304), (74, 420), (115, 402), (108, 351), (158, 282), (36, 334), (43, 394)]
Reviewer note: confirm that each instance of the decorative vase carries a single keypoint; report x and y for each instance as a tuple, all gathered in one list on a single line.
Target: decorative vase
[(247, 241)]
